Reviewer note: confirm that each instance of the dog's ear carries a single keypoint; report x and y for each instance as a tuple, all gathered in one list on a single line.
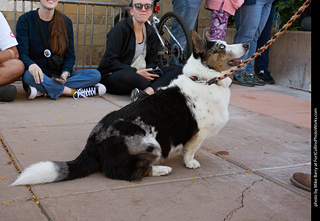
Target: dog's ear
[(207, 36), (199, 44), (210, 43)]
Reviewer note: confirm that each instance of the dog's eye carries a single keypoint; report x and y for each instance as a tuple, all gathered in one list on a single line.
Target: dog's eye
[(222, 46)]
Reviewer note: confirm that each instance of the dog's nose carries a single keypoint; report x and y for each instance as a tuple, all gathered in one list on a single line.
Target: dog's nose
[(245, 46)]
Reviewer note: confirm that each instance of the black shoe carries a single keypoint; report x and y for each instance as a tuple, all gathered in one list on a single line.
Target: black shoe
[(257, 81), (8, 93), (266, 77), (137, 94), (243, 79), (98, 89)]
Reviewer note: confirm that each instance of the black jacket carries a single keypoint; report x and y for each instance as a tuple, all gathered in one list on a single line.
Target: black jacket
[(121, 45)]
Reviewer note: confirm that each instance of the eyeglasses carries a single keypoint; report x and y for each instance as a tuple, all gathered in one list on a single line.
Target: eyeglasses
[(139, 6)]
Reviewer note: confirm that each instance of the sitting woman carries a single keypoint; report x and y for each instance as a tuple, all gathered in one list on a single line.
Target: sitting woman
[(46, 48), (131, 56)]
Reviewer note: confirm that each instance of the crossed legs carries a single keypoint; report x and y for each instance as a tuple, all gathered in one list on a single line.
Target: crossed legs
[(10, 71)]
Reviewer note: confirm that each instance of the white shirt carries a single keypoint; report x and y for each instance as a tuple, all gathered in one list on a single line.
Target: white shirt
[(7, 38), (141, 47)]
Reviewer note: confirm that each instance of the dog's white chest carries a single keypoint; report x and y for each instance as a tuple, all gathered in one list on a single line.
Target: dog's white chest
[(209, 104), (211, 109)]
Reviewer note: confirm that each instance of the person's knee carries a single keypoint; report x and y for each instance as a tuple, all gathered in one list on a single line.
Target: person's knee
[(91, 76), (11, 71), (19, 67), (178, 69), (15, 67), (95, 76), (129, 77), (174, 70)]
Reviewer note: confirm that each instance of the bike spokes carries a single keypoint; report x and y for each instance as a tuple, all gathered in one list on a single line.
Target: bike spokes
[(176, 38)]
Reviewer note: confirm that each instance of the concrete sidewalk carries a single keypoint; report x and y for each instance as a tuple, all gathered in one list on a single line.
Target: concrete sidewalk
[(245, 170)]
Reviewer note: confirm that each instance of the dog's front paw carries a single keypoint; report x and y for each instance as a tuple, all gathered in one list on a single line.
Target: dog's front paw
[(193, 164), (161, 170)]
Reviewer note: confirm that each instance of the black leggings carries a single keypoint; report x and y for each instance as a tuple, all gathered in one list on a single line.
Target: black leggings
[(124, 81)]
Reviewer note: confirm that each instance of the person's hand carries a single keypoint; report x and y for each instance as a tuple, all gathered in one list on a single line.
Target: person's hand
[(36, 72), (65, 75), (145, 73)]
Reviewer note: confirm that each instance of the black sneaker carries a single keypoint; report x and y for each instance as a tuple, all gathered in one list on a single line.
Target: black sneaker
[(8, 93), (243, 79), (137, 94), (98, 89), (265, 76), (257, 81)]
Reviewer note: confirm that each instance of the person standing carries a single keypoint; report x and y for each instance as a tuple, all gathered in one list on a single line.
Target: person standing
[(262, 62), (220, 11), (189, 11), (250, 19)]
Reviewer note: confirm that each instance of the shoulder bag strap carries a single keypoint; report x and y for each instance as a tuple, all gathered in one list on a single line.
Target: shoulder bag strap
[(45, 41)]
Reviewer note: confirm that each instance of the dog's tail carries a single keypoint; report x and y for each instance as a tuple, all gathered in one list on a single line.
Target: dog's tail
[(48, 171)]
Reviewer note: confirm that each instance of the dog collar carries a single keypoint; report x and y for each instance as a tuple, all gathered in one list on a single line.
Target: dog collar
[(199, 80), (205, 81)]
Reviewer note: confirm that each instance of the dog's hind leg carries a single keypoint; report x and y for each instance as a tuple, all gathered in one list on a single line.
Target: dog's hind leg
[(191, 147)]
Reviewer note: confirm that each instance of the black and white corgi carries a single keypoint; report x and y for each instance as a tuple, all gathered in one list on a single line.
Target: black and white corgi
[(127, 143)]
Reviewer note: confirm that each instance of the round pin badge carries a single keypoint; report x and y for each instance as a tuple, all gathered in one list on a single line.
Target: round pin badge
[(47, 53)]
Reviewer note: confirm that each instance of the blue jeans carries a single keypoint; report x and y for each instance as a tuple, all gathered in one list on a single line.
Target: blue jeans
[(263, 60), (250, 21), (189, 10), (77, 79)]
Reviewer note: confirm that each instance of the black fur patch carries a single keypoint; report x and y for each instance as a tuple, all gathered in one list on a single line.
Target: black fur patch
[(210, 44), (150, 149), (126, 128)]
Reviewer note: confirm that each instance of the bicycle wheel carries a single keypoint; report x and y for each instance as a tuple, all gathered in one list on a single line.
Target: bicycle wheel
[(175, 34)]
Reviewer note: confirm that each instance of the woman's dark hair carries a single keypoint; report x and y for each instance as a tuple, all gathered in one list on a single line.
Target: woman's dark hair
[(58, 34)]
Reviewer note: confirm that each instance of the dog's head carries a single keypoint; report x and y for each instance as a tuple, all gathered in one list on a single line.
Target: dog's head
[(217, 55)]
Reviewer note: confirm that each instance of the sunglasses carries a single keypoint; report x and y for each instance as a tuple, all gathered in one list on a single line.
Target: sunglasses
[(139, 6)]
